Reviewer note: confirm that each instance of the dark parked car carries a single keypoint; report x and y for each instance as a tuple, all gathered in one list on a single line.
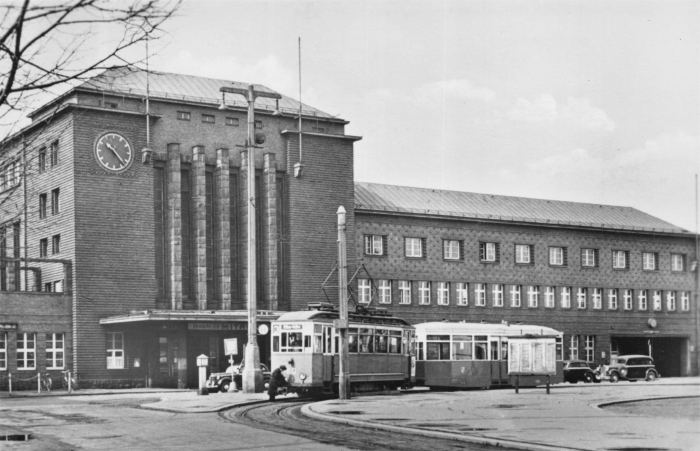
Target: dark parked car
[(632, 368), (222, 381), (579, 370)]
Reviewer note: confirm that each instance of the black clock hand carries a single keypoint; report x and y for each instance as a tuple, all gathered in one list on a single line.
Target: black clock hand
[(114, 151)]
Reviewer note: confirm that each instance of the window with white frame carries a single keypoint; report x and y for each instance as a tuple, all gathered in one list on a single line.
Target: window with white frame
[(115, 350), (55, 351), (589, 258), (364, 291), (522, 254), (589, 347), (557, 256), (642, 299), (573, 347), (549, 300), (3, 351), (565, 297), (649, 261), (414, 247), (497, 295), (55, 201), (671, 301), (404, 292), (597, 298), (423, 292), (462, 293), (656, 300), (374, 245), (627, 299), (533, 296), (480, 294), (488, 252), (612, 299), (443, 293), (677, 262), (42, 159), (581, 295), (451, 249), (620, 259), (26, 351), (385, 292), (685, 301), (515, 296)]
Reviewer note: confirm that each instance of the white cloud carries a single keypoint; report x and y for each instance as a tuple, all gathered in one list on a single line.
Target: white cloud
[(580, 111), (545, 110), (577, 161), (541, 110), (459, 89)]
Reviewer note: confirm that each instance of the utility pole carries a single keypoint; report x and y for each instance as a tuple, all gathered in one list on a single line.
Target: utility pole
[(342, 323)]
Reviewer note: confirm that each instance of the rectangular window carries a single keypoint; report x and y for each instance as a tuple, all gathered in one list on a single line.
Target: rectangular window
[(533, 296), (55, 351), (620, 260), (54, 154), (581, 294), (58, 286), (26, 351), (523, 254), (42, 206), (443, 293), (656, 299), (3, 351), (612, 299), (184, 115), (685, 301), (643, 299), (480, 294), (43, 247), (462, 293), (516, 296), (557, 256), (55, 244), (549, 297), (677, 262), (627, 299), (423, 293), (497, 295), (375, 245), (208, 118), (232, 121), (573, 347), (597, 298), (488, 252), (589, 347), (649, 261), (451, 250), (414, 247), (589, 258), (48, 287), (565, 297), (115, 350), (364, 290), (404, 292), (42, 159), (385, 292), (671, 301), (258, 124), (55, 201)]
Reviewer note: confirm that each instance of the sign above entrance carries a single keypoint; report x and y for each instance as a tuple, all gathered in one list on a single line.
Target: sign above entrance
[(217, 326)]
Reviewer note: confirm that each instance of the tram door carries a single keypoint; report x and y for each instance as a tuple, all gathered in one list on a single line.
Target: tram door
[(328, 366)]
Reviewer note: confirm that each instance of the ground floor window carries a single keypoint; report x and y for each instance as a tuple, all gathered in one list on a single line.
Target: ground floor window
[(3, 350), (26, 351), (423, 293), (573, 347), (671, 301), (549, 297), (385, 292), (404, 291), (642, 299), (590, 348), (597, 298), (115, 350), (533, 295), (55, 351), (443, 292), (480, 294)]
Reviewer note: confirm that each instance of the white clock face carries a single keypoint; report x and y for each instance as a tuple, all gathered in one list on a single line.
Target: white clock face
[(113, 152)]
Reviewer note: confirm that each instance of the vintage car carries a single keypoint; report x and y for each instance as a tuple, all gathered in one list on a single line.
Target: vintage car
[(579, 370), (222, 381), (632, 368)]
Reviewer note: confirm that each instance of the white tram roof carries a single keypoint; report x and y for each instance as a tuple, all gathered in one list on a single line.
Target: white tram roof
[(356, 319), (509, 330)]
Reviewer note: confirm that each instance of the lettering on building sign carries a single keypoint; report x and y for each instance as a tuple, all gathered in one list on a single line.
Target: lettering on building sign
[(217, 326), (8, 326)]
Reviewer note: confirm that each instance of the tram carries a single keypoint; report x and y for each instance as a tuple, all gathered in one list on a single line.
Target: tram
[(475, 355), (382, 354)]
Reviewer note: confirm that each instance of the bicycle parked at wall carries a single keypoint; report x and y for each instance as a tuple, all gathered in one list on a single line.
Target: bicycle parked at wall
[(46, 382), (73, 381)]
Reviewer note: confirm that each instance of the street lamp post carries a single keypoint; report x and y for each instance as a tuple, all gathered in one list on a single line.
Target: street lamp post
[(252, 375)]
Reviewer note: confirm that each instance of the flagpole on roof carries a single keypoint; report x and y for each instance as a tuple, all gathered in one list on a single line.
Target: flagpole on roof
[(298, 166), (147, 151)]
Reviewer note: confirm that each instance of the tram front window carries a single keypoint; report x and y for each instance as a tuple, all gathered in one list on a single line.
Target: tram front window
[(366, 342), (462, 349), (481, 346), (291, 342), (352, 340)]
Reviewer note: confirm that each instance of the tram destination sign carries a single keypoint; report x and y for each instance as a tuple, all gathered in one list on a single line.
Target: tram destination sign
[(532, 356)]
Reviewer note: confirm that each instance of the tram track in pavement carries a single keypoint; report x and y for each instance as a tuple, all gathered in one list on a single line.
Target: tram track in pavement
[(286, 417)]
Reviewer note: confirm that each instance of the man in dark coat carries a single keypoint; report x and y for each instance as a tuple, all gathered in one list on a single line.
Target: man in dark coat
[(276, 380)]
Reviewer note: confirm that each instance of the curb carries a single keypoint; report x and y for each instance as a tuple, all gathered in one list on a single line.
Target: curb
[(208, 410)]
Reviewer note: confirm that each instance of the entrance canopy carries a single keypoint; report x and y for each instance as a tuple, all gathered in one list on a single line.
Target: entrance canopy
[(190, 316)]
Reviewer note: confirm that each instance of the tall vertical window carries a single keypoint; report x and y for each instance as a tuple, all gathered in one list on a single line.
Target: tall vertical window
[(549, 297), (620, 260), (480, 294), (589, 258), (677, 262), (656, 300), (597, 298), (581, 294), (42, 159), (42, 206), (451, 249), (423, 293), (671, 301), (3, 351), (557, 256), (627, 299), (589, 347), (497, 295), (404, 292), (54, 154), (43, 247), (364, 290), (533, 295), (649, 261), (523, 254), (685, 301), (612, 299), (573, 347), (443, 293), (374, 245), (643, 299), (385, 292), (115, 350), (26, 351), (55, 351), (55, 244), (414, 247), (55, 201), (515, 296), (488, 252), (462, 293), (565, 297)]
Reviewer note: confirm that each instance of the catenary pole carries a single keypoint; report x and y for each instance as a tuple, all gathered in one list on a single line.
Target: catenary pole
[(342, 325)]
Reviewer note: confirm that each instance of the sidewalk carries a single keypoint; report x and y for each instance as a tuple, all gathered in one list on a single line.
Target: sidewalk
[(569, 418)]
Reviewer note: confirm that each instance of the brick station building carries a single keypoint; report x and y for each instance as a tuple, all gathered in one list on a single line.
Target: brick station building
[(124, 266)]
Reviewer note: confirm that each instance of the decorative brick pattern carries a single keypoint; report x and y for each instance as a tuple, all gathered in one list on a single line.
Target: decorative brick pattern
[(199, 227), (269, 197), (222, 230), (174, 215)]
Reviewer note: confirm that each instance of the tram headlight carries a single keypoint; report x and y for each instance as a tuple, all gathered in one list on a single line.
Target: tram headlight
[(302, 376)]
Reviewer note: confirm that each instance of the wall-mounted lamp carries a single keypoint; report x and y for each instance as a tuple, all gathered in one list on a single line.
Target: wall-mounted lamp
[(146, 155), (298, 169), (694, 266)]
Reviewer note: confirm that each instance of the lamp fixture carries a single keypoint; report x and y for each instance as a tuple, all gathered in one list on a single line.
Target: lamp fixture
[(223, 106), (277, 111)]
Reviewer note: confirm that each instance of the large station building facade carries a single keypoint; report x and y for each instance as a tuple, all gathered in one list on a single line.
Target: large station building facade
[(123, 241)]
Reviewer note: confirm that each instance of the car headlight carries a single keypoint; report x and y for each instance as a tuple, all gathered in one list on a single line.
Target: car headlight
[(302, 376), (623, 371)]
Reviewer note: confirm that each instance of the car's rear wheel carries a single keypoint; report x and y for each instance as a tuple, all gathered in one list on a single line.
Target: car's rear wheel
[(588, 378), (224, 387), (614, 377), (651, 376)]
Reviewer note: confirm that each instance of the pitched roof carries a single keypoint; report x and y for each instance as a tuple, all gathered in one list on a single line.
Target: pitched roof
[(403, 199)]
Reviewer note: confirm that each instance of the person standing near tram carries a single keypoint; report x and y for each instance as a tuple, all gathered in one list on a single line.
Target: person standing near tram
[(277, 380)]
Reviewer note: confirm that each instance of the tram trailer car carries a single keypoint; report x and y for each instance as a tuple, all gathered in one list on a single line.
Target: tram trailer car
[(381, 349), (475, 355)]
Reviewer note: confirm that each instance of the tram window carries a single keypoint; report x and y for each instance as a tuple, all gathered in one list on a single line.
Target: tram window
[(327, 340), (560, 349), (504, 349), (317, 343), (291, 342), (394, 345), (438, 338), (438, 351), (462, 349), (481, 347), (275, 344), (307, 341), (494, 350), (420, 351), (366, 342), (380, 341), (352, 343)]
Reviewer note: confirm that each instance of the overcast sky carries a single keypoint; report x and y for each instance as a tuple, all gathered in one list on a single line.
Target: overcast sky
[(587, 101)]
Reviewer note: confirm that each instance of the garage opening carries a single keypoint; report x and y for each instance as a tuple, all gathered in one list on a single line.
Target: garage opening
[(670, 353)]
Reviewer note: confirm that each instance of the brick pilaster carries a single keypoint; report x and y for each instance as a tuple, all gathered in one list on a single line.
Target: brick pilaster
[(243, 226), (174, 231), (12, 282), (222, 231), (269, 195), (199, 227)]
